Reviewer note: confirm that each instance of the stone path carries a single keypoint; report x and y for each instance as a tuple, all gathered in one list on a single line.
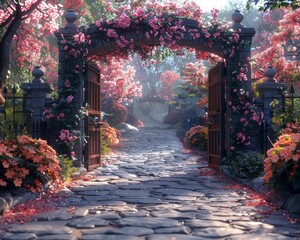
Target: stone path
[(153, 191)]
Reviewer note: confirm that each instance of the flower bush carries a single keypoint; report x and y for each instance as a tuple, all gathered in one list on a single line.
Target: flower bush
[(247, 165), (30, 163), (109, 134), (115, 113), (282, 165), (174, 116), (196, 137)]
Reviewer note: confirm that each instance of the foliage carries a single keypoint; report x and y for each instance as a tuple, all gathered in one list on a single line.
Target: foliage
[(282, 119), (192, 91), (29, 163), (174, 116), (275, 4), (278, 45), (197, 137), (110, 135), (248, 164), (105, 149), (132, 120), (282, 165), (167, 80), (67, 169), (25, 33), (115, 112)]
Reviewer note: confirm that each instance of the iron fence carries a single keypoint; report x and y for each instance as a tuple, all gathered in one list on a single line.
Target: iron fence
[(269, 134), (12, 114)]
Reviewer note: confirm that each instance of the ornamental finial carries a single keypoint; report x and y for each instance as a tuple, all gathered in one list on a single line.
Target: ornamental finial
[(70, 17), (37, 73), (237, 18), (270, 73)]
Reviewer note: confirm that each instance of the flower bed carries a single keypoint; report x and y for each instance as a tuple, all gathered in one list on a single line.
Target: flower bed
[(29, 163), (282, 165)]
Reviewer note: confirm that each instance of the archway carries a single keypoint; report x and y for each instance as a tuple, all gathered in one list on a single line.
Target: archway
[(100, 38)]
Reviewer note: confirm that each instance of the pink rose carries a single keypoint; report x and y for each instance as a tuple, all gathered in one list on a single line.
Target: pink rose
[(123, 21)]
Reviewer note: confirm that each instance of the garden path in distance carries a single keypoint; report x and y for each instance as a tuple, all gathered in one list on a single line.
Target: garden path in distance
[(153, 189)]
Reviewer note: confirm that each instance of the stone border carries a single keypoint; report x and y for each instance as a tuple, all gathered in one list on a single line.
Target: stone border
[(287, 201), (14, 197)]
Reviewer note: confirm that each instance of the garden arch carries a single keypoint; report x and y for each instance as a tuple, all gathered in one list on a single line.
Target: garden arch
[(221, 77)]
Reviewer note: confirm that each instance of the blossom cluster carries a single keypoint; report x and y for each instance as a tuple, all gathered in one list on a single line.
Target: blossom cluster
[(165, 24), (27, 162), (197, 137), (110, 134), (282, 165)]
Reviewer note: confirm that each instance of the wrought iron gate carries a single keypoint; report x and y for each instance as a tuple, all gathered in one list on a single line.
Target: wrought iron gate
[(92, 151), (216, 115)]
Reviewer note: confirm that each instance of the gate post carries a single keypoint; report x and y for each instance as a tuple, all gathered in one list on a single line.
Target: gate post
[(233, 66), (70, 70), (36, 95), (268, 91)]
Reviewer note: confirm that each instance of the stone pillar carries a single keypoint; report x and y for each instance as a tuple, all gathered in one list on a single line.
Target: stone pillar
[(270, 90), (233, 66), (70, 69), (36, 95)]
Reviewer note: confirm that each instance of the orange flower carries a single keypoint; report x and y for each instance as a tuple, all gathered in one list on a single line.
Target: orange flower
[(18, 182), (5, 164), (3, 149), (9, 173), (3, 183)]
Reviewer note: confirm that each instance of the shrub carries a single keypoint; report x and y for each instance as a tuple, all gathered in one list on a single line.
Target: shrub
[(196, 137), (28, 162), (109, 134), (248, 164), (174, 116), (282, 165), (67, 169), (116, 113)]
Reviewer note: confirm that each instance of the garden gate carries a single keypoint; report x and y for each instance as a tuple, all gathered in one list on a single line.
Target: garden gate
[(216, 115), (101, 44), (92, 150)]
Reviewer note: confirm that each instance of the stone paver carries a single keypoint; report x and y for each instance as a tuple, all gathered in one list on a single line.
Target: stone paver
[(151, 190)]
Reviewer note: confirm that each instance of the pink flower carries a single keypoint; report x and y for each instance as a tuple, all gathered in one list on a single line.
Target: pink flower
[(67, 83), (61, 115), (123, 21), (139, 12), (70, 99), (232, 148), (207, 35), (243, 120), (112, 33)]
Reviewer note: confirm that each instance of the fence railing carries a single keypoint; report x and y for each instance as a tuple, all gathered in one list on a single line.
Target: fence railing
[(12, 114)]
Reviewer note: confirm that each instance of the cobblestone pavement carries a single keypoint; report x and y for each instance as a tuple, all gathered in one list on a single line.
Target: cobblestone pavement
[(152, 190)]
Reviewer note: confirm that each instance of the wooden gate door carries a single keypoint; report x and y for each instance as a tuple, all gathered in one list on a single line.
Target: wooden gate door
[(216, 115), (92, 154)]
